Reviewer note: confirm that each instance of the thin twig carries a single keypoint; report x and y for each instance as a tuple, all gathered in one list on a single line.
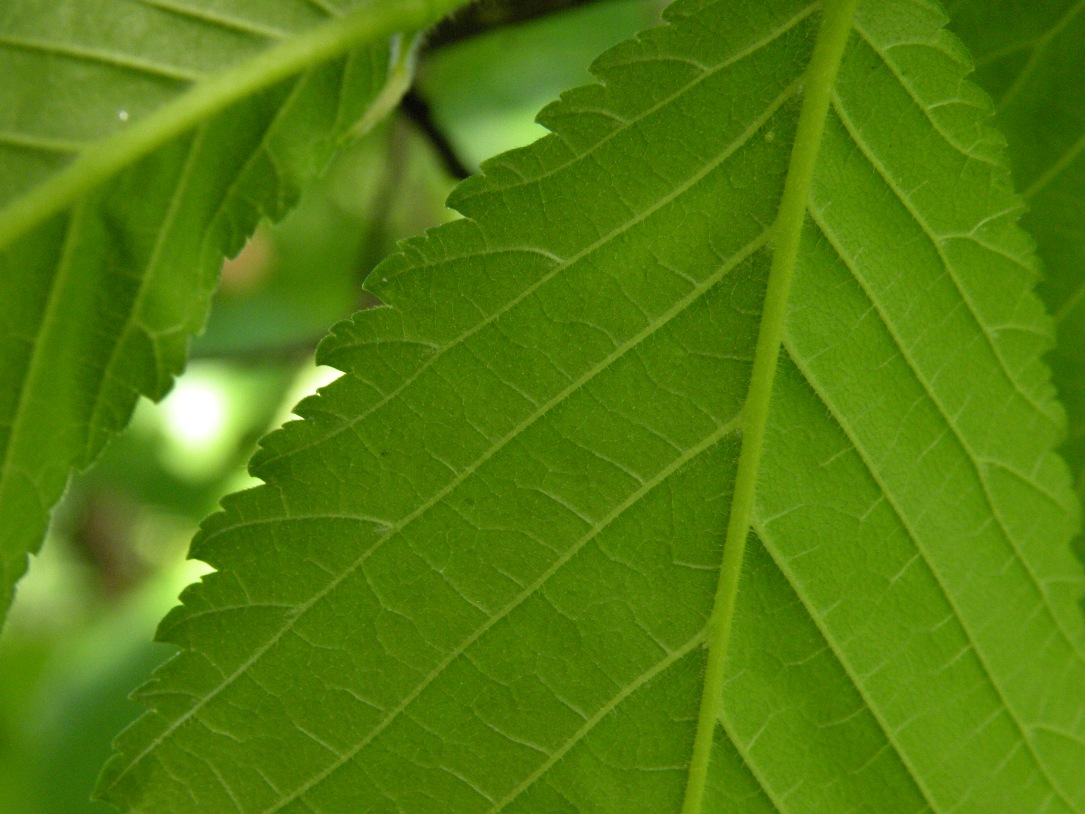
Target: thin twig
[(493, 14), (417, 110)]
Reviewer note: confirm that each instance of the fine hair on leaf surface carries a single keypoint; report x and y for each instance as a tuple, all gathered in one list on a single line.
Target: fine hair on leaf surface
[(752, 329)]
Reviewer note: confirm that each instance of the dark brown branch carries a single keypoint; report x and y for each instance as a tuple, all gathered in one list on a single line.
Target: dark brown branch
[(493, 14), (417, 110)]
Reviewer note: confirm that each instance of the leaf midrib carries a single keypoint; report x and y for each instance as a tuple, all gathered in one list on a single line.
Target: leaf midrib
[(393, 528), (833, 34), (771, 109)]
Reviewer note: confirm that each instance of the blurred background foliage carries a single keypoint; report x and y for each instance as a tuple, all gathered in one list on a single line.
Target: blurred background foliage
[(79, 638)]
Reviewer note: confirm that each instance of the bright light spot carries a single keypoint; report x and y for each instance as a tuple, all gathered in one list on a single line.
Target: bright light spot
[(322, 377), (199, 422), (310, 379), (195, 412), (122, 115), (188, 572)]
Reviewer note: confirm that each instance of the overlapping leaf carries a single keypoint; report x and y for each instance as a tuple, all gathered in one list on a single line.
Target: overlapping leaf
[(481, 573), (214, 114), (1031, 59)]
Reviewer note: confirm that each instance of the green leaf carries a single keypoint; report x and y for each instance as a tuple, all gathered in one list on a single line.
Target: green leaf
[(1031, 62), (745, 306), (141, 142)]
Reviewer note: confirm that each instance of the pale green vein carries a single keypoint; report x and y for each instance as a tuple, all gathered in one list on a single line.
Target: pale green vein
[(217, 18), (446, 490), (299, 518), (210, 764), (145, 279), (732, 59), (324, 7), (1052, 498), (818, 620), (165, 228), (750, 765), (974, 460), (125, 62), (999, 53), (828, 51), (605, 710), (1038, 42), (531, 590), (366, 23), (907, 84), (937, 243), (225, 609), (1072, 302), (560, 265), (38, 365)]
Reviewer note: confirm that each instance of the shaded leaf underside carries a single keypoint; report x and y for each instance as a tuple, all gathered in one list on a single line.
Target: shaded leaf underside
[(479, 573), (1031, 63)]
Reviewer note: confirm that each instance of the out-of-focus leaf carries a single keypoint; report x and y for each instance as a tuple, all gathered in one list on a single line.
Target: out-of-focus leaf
[(297, 277)]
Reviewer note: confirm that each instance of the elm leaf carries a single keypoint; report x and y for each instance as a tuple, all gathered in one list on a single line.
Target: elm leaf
[(707, 465)]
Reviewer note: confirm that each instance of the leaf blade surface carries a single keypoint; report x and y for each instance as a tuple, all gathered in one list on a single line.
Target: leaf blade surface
[(503, 527)]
